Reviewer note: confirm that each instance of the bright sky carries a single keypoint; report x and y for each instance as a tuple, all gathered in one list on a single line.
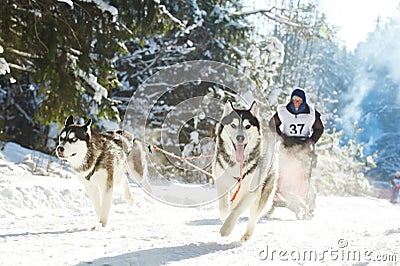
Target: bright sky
[(357, 17), (354, 17)]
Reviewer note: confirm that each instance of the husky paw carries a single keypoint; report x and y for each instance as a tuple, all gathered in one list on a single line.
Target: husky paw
[(103, 223), (226, 229), (130, 201), (245, 237), (96, 227)]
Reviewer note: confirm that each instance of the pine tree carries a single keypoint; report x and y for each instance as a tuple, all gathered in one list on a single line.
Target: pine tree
[(65, 52)]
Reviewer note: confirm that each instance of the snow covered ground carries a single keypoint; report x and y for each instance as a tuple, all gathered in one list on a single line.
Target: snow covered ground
[(46, 220)]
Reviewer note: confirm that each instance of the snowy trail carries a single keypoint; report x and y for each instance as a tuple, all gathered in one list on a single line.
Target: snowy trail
[(46, 220), (152, 233)]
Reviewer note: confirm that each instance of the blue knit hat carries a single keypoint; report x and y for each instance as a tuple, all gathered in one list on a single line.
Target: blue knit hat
[(299, 93)]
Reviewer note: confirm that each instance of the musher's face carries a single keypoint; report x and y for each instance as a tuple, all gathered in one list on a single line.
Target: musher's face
[(297, 101)]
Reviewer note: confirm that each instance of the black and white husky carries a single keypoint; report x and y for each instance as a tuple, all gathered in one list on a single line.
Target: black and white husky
[(101, 161), (240, 142)]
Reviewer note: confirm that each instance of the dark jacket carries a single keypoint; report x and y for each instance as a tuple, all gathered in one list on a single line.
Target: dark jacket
[(318, 127)]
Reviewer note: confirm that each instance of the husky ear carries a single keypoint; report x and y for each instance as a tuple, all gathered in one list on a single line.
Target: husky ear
[(87, 127), (254, 110), (69, 121), (228, 108)]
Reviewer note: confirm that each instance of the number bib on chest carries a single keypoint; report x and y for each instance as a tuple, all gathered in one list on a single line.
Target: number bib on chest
[(296, 125)]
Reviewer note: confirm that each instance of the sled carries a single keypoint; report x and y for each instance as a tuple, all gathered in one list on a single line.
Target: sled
[(295, 187)]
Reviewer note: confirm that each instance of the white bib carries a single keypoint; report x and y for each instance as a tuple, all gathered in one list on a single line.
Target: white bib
[(296, 125), (396, 181)]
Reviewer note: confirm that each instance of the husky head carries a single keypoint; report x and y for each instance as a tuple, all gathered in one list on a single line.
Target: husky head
[(73, 141), (242, 127)]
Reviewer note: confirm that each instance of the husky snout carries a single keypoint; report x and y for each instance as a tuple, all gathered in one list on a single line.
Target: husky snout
[(60, 151), (240, 138)]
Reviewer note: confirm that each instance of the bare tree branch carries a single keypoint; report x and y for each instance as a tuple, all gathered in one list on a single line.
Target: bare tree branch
[(21, 68), (268, 13), (164, 10), (21, 53)]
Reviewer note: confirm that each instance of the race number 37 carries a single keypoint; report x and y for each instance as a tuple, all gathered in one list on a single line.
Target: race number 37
[(296, 128)]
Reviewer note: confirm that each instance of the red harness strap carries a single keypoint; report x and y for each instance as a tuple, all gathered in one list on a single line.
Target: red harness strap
[(240, 183)]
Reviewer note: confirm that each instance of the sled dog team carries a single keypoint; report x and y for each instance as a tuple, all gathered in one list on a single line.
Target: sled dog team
[(101, 161)]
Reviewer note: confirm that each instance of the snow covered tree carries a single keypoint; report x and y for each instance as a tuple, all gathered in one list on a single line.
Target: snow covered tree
[(372, 99), (341, 168), (65, 52), (204, 30)]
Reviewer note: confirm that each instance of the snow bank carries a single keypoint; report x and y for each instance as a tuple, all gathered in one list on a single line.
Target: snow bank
[(18, 157), (46, 220)]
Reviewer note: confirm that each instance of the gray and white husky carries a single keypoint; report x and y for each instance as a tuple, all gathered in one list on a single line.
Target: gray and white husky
[(101, 161), (240, 141)]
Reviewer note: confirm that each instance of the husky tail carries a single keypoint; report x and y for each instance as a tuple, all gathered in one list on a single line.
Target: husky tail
[(136, 162)]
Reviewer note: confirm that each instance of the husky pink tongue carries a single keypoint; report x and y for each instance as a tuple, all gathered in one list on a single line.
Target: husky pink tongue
[(239, 153)]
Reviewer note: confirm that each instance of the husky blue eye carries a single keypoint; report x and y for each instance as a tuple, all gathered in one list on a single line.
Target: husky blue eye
[(74, 140), (248, 127), (233, 125)]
